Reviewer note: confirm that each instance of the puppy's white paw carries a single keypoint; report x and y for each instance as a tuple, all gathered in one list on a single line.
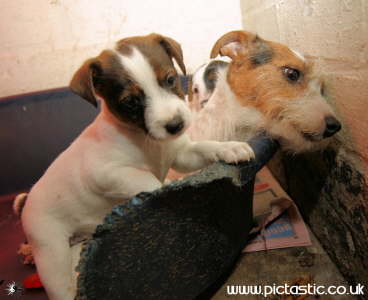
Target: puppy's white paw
[(231, 152)]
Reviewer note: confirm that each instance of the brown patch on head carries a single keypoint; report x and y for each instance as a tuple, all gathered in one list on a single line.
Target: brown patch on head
[(159, 51), (284, 77), (104, 76), (82, 84), (232, 44), (260, 69)]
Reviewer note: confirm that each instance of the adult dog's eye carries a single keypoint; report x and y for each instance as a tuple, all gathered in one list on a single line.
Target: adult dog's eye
[(196, 90), (291, 74), (171, 80)]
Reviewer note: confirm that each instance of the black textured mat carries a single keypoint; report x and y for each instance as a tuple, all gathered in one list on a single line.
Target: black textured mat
[(178, 242)]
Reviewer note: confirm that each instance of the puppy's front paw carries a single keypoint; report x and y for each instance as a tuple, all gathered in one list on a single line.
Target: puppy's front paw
[(232, 152)]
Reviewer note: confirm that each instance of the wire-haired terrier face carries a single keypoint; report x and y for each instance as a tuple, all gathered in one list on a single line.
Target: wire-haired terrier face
[(282, 85)]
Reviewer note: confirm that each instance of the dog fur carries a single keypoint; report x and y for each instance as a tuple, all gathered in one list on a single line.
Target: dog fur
[(267, 87), (130, 146), (203, 82)]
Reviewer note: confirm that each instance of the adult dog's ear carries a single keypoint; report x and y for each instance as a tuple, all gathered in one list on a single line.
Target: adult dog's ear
[(233, 44), (172, 48), (82, 81)]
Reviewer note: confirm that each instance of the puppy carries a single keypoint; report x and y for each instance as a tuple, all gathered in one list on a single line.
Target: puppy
[(267, 87), (137, 136), (203, 82)]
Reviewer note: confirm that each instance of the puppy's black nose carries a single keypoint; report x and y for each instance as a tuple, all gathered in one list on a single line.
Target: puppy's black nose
[(332, 126), (175, 125)]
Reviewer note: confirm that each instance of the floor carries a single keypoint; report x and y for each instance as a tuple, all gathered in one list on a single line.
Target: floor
[(257, 268), (282, 266)]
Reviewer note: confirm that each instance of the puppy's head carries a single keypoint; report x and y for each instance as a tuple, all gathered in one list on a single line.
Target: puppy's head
[(203, 83), (282, 85), (139, 84)]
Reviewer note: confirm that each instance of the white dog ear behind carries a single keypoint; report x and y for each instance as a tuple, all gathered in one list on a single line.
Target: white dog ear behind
[(82, 81), (233, 44)]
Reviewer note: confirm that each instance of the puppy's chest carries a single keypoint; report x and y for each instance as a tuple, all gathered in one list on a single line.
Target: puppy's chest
[(154, 157), (159, 159)]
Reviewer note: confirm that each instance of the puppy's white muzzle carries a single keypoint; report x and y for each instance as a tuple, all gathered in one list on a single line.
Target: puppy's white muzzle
[(166, 117)]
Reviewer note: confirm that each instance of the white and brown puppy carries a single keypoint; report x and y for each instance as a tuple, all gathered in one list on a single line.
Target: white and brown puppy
[(203, 82), (129, 147), (267, 87)]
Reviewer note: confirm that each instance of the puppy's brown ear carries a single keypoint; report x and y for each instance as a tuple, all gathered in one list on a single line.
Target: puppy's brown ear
[(82, 81), (190, 88), (233, 44), (173, 49)]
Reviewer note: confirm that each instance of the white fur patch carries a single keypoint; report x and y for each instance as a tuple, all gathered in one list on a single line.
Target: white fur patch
[(315, 86), (161, 105), (199, 90), (198, 79), (297, 54), (223, 116)]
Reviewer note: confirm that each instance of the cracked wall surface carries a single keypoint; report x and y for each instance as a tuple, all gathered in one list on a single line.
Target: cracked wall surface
[(330, 186)]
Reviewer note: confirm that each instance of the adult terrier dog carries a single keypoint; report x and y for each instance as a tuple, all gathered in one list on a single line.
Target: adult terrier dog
[(267, 87), (129, 147)]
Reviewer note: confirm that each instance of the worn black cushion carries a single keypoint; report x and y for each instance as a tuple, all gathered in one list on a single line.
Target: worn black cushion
[(178, 242)]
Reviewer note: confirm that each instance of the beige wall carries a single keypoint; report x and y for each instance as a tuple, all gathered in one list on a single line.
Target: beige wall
[(43, 41), (335, 33)]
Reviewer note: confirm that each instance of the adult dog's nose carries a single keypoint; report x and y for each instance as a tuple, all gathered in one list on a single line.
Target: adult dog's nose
[(175, 125), (332, 126)]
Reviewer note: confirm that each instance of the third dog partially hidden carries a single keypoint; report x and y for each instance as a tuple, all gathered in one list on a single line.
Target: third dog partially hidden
[(203, 82)]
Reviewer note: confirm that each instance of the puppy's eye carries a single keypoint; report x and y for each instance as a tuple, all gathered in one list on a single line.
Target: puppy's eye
[(171, 80), (124, 99), (291, 74), (129, 99), (195, 90)]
